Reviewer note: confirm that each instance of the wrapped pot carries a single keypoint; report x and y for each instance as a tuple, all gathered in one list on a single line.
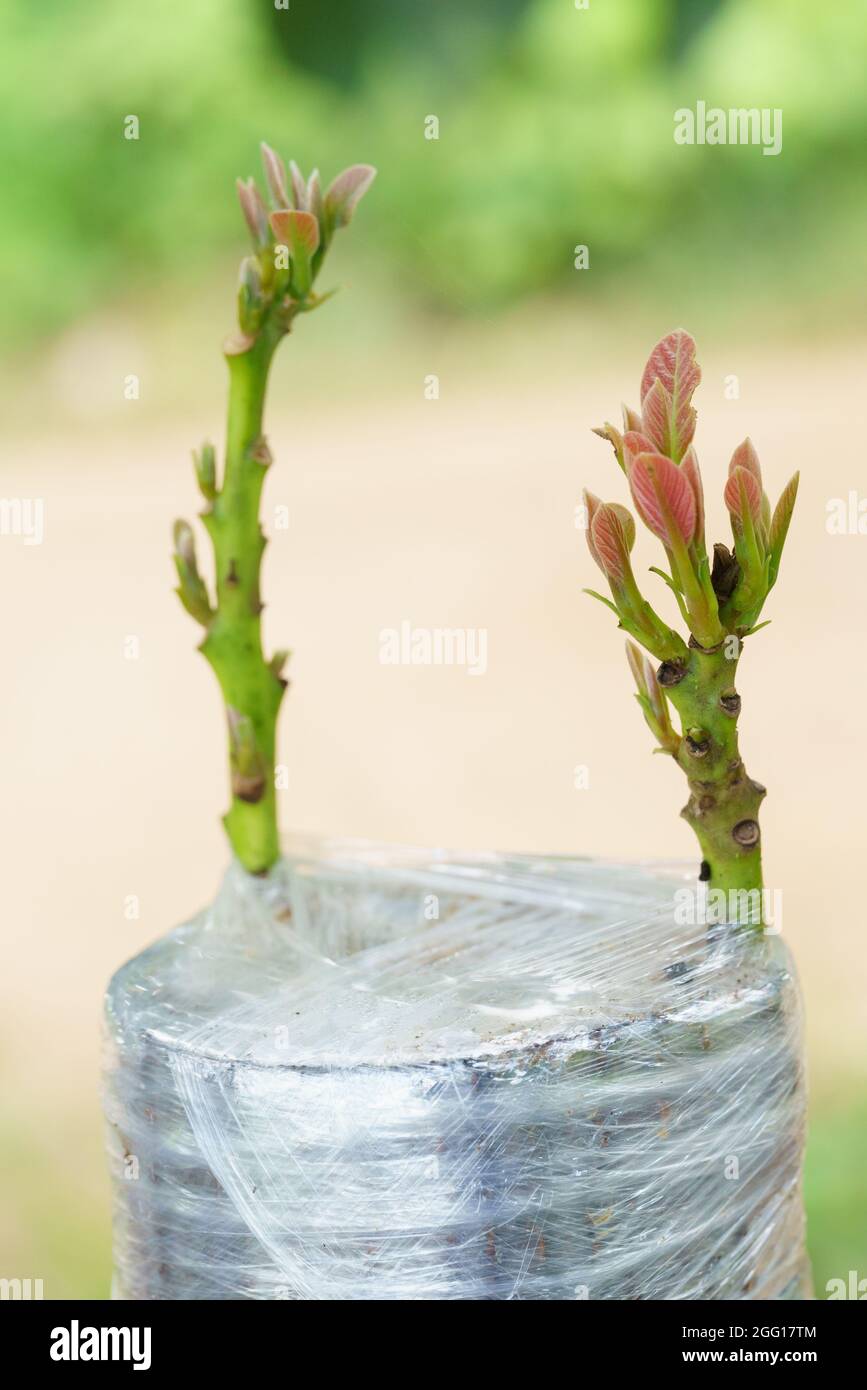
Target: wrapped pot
[(396, 1074)]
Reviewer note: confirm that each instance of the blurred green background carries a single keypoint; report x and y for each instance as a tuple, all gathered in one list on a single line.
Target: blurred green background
[(555, 130)]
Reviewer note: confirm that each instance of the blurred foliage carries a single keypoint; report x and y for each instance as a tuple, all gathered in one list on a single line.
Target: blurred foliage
[(556, 128), (835, 1192)]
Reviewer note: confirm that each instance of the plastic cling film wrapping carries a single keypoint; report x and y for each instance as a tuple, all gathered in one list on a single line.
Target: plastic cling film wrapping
[(396, 1074)]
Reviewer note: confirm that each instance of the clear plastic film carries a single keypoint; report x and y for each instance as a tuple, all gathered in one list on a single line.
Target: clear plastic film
[(400, 1074)]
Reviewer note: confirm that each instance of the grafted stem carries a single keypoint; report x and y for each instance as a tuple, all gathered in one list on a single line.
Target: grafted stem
[(252, 688), (275, 285), (723, 807)]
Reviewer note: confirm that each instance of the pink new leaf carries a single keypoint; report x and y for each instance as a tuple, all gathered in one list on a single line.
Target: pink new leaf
[(743, 492), (664, 498), (609, 542), (669, 417), (673, 363), (634, 443)]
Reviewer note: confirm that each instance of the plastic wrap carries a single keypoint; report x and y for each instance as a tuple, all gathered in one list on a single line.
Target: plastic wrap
[(397, 1074)]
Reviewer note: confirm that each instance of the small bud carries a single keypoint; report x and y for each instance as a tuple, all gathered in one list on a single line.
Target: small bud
[(185, 543), (254, 211), (746, 457), (299, 187), (631, 419), (277, 663), (725, 572), (205, 463), (315, 202), (251, 305), (275, 176), (247, 764), (191, 590)]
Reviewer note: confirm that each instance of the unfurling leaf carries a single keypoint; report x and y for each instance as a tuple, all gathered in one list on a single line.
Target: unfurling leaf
[(299, 231), (671, 363), (664, 498), (346, 191), (779, 526)]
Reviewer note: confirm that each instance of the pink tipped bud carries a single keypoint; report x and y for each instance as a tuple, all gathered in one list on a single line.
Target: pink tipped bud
[(664, 498), (743, 495), (275, 175), (746, 457)]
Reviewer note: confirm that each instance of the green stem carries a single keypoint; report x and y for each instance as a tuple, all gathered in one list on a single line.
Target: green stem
[(252, 689), (723, 806)]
